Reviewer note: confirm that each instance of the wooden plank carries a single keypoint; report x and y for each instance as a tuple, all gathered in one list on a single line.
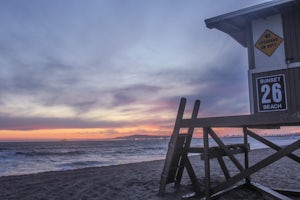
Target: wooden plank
[(223, 167), (260, 119), (175, 163), (225, 191), (195, 150), (291, 21), (206, 162), (268, 191), (246, 158), (176, 158), (291, 192), (294, 76), (270, 144), (263, 163), (191, 174), (215, 152), (171, 149), (223, 146), (187, 144), (288, 44)]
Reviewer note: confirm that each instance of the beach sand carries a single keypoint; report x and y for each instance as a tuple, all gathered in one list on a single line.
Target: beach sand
[(141, 181)]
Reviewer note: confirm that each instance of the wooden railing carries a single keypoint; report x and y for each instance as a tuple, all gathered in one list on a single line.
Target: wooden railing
[(179, 147)]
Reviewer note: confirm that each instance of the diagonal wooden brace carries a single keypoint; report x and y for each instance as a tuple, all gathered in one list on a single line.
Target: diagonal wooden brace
[(223, 146), (263, 163), (270, 144)]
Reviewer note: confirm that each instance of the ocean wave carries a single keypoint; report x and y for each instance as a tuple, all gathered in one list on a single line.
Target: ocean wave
[(81, 164), (154, 148), (50, 153)]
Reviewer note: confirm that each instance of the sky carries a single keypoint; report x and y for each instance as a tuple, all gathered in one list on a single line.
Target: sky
[(108, 68)]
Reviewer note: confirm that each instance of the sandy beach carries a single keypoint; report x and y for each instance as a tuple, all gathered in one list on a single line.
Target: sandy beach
[(141, 181)]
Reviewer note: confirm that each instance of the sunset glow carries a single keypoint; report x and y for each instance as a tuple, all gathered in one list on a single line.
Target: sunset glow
[(79, 134)]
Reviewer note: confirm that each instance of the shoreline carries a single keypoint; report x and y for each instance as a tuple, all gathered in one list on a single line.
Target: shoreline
[(30, 158), (141, 180), (88, 167)]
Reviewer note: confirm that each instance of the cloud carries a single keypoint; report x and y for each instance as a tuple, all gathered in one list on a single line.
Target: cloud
[(224, 87), (35, 123), (18, 123), (106, 63), (221, 84), (131, 94)]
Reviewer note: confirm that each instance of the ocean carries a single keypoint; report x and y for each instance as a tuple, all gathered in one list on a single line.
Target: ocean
[(17, 158)]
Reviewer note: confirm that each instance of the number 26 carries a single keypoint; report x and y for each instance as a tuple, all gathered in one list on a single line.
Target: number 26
[(275, 90)]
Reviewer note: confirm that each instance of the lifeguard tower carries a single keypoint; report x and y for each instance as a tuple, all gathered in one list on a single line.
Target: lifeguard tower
[(271, 34)]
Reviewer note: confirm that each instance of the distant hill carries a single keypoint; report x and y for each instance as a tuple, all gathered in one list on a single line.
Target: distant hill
[(159, 137), (142, 137)]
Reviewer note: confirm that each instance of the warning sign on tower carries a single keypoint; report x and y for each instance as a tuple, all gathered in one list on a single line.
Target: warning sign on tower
[(268, 42)]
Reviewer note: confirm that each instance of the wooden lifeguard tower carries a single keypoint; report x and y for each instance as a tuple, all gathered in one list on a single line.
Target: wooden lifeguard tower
[(271, 34)]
